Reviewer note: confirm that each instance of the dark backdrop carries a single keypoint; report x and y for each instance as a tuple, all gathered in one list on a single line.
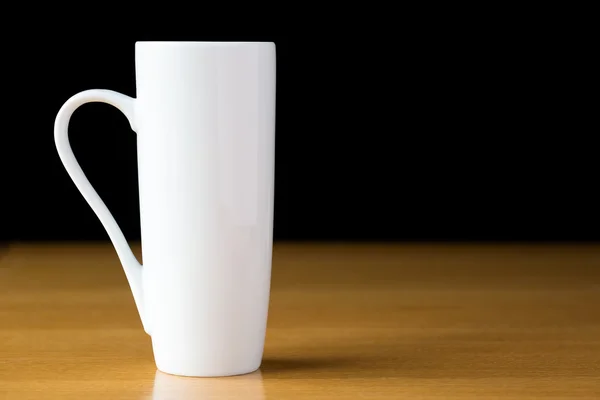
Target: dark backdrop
[(432, 134)]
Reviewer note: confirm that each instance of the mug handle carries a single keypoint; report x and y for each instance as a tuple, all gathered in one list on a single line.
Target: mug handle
[(131, 266)]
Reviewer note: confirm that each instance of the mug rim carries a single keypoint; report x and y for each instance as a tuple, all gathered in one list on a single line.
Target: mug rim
[(192, 42)]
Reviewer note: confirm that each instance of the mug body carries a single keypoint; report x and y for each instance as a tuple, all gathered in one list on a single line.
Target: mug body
[(205, 122)]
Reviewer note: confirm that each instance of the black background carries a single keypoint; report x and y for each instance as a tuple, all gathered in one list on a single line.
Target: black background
[(434, 133)]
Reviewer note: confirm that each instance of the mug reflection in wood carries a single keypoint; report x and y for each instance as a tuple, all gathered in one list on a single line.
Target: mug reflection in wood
[(246, 387), (204, 115)]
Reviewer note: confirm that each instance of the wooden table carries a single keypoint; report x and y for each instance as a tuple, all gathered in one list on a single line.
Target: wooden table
[(346, 322)]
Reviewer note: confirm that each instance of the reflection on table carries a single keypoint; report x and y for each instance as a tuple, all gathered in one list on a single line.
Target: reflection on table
[(171, 387)]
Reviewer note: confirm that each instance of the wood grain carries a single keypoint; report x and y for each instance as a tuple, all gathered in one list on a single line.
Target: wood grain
[(346, 322)]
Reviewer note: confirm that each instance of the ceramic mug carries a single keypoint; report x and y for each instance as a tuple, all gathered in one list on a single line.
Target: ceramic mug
[(204, 115)]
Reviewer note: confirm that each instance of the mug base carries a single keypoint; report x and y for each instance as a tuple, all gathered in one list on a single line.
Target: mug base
[(206, 373)]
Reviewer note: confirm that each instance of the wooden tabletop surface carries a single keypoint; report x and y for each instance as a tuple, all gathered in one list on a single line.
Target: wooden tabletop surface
[(346, 322)]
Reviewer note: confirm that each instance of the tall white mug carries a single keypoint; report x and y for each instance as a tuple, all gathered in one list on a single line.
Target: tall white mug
[(204, 115)]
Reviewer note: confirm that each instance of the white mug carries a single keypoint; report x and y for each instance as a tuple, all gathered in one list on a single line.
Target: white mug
[(204, 114)]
